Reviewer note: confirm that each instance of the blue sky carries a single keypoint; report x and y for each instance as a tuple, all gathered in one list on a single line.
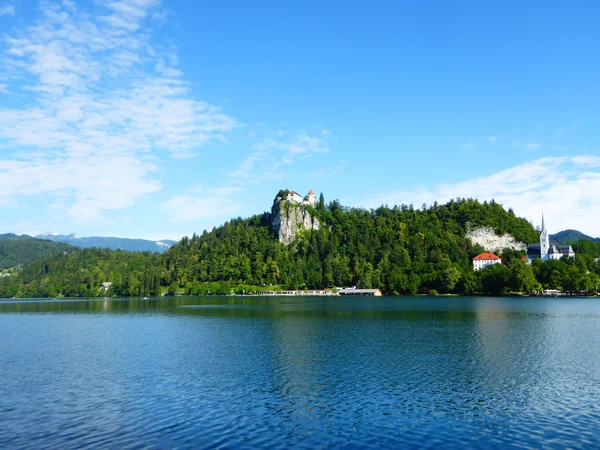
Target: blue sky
[(157, 119)]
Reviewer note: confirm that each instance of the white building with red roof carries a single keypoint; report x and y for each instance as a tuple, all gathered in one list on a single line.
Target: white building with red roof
[(294, 197), (485, 259)]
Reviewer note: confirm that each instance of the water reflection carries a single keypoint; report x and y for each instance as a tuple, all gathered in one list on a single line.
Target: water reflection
[(255, 372)]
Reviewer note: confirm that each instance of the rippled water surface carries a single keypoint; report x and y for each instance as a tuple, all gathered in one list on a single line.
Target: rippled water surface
[(300, 372)]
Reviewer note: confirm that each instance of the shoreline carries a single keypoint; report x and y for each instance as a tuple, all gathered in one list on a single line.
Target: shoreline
[(165, 297)]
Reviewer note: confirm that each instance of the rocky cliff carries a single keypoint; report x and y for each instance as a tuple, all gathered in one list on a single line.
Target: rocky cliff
[(287, 219), (493, 242)]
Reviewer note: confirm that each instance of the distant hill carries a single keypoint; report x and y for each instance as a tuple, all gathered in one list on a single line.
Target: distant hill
[(22, 250), (571, 236), (112, 243), (13, 237)]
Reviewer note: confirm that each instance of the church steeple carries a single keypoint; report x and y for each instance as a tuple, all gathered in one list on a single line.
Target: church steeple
[(544, 240), (543, 223)]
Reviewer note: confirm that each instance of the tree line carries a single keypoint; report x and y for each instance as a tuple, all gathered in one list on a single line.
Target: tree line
[(401, 250)]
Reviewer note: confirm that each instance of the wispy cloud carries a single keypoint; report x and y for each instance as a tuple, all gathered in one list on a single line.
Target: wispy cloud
[(529, 145), (567, 189), (299, 144), (7, 9), (103, 99), (587, 161), (201, 203), (278, 150), (493, 138)]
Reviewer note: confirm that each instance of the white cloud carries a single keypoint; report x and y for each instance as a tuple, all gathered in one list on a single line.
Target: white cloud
[(587, 161), (7, 10), (277, 150), (468, 146), (567, 189), (101, 100), (300, 143), (532, 146), (199, 203), (493, 138)]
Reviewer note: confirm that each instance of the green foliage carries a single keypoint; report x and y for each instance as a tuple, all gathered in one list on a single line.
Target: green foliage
[(572, 236), (14, 237), (495, 278), (577, 274), (522, 278), (15, 251), (81, 273), (398, 250), (587, 247), (321, 203)]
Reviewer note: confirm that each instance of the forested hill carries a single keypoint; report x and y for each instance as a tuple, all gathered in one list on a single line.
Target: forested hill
[(22, 250), (13, 237), (571, 236), (399, 250)]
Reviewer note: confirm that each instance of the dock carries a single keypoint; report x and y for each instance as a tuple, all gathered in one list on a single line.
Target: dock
[(363, 292), (307, 292)]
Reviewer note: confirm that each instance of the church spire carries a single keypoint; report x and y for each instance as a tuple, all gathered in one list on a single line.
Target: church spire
[(544, 240), (543, 222)]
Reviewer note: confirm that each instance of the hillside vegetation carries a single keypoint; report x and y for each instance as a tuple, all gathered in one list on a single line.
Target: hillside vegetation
[(22, 250), (400, 250), (81, 273), (572, 236), (13, 237)]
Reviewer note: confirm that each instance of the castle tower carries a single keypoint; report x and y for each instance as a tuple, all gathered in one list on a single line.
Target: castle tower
[(311, 198), (544, 241)]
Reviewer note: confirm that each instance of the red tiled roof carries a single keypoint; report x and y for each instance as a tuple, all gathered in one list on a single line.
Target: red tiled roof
[(311, 192), (485, 257), (293, 192)]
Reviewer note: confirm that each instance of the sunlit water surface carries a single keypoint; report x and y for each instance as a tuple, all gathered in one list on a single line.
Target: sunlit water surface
[(301, 372)]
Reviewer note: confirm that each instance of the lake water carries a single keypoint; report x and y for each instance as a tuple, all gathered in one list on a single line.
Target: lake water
[(300, 372)]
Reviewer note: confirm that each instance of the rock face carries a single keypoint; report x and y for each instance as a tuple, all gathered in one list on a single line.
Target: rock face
[(287, 219), (493, 242)]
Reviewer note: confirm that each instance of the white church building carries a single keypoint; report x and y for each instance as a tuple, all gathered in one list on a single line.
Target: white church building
[(546, 250)]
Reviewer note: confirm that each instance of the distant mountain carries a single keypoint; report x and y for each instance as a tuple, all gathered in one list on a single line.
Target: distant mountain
[(112, 243), (13, 237), (571, 236)]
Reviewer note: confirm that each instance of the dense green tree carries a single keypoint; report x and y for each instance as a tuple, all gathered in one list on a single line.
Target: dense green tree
[(21, 251), (495, 278), (399, 250), (522, 278), (173, 289)]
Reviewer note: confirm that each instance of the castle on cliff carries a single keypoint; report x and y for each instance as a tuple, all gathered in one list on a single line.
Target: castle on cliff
[(294, 197), (287, 219)]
